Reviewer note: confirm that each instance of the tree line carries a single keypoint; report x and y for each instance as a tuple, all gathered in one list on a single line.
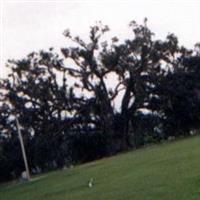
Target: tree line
[(96, 98)]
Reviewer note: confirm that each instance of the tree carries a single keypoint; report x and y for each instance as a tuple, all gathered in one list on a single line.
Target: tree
[(96, 110), (179, 97), (65, 101), (140, 64), (42, 104)]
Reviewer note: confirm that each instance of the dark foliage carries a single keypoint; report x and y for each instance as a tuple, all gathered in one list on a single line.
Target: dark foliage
[(66, 103)]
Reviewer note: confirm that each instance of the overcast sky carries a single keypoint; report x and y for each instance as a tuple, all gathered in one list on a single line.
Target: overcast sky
[(33, 25)]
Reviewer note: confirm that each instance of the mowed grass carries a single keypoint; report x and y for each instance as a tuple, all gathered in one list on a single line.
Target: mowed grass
[(168, 171)]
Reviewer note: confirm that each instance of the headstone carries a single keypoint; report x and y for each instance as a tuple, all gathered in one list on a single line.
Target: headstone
[(23, 176)]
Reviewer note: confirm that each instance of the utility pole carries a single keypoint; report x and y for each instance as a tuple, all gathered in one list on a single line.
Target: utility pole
[(23, 149)]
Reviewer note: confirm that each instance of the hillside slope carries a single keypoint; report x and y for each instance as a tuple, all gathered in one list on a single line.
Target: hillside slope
[(166, 171)]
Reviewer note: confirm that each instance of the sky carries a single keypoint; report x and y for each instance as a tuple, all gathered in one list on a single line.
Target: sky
[(32, 25)]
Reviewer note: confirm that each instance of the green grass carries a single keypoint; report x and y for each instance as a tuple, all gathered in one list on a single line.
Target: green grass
[(168, 171)]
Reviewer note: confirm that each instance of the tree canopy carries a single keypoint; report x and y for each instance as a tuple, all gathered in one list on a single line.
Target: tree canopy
[(66, 101)]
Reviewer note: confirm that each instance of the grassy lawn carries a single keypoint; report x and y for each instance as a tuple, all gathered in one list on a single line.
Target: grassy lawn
[(167, 171)]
